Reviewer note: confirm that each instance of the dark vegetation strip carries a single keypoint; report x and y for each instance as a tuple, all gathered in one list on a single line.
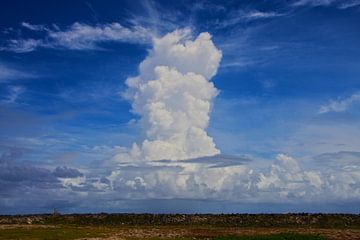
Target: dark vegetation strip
[(340, 221)]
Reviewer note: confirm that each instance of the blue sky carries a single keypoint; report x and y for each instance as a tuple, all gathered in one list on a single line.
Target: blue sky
[(288, 97)]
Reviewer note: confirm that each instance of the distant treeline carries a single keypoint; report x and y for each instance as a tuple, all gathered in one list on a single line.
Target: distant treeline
[(300, 220)]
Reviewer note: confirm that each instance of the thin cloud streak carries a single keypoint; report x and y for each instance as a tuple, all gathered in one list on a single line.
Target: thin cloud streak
[(258, 14), (9, 73), (34, 27), (340, 105), (340, 4), (313, 2), (14, 93), (79, 36), (240, 16)]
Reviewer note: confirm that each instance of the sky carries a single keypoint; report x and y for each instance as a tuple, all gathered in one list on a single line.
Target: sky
[(180, 106)]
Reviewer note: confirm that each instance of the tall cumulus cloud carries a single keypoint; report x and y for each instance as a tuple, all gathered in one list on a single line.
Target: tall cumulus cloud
[(173, 96)]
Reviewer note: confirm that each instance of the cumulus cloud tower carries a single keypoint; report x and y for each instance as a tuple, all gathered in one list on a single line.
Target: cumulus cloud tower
[(173, 95)]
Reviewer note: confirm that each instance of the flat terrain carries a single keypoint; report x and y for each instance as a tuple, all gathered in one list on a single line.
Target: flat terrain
[(179, 226)]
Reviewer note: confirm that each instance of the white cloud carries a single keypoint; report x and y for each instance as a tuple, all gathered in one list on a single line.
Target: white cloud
[(73, 182), (173, 96), (286, 179), (340, 105), (79, 36)]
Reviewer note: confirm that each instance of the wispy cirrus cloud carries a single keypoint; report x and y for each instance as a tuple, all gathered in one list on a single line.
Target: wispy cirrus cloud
[(14, 93), (241, 16), (340, 105), (78, 36), (34, 27), (23, 45), (83, 36), (8, 73), (313, 2), (349, 4), (255, 14), (341, 4)]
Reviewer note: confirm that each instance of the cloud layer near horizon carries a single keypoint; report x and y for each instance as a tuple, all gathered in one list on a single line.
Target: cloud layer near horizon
[(218, 178)]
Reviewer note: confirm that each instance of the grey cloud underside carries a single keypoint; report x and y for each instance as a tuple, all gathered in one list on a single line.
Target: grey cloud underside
[(14, 174), (216, 161), (65, 172), (347, 158)]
